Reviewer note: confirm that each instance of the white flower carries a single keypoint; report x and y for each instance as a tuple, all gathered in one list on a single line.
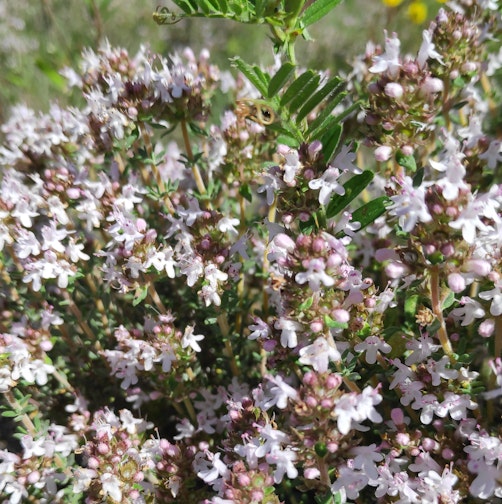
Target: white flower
[(288, 329), (389, 60), (496, 296), (427, 50), (315, 275), (190, 339), (111, 486), (372, 345), (319, 354), (410, 205), (328, 184)]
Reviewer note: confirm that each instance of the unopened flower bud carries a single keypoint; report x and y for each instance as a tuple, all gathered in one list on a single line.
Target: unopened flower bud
[(469, 66), (383, 153), (340, 315), (456, 282), (311, 473), (285, 242), (479, 267), (486, 328), (394, 90), (432, 85)]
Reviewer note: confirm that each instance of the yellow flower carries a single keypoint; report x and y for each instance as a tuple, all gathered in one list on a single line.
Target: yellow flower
[(392, 3), (417, 12)]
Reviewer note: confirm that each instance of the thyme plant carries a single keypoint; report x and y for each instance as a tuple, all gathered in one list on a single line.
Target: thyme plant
[(295, 296)]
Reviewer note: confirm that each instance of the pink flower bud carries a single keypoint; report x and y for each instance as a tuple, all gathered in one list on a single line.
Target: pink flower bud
[(456, 282), (383, 153), (479, 267), (394, 90), (402, 438), (316, 326), (311, 473), (396, 270), (407, 150), (486, 328), (397, 416), (432, 85), (244, 480), (340, 315), (285, 242)]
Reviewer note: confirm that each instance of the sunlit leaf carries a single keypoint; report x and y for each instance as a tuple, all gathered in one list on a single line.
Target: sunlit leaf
[(353, 187), (318, 10)]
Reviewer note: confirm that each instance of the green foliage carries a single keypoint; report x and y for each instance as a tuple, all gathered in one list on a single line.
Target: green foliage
[(352, 188)]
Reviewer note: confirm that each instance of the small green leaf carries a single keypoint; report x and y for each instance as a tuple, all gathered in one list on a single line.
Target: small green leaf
[(303, 95), (330, 89), (322, 122), (410, 306), (197, 129), (418, 177), (317, 10), (407, 162), (306, 304), (334, 323), (330, 142), (296, 87), (52, 74), (187, 6), (448, 300), (250, 72), (370, 212), (9, 414), (352, 188), (223, 6), (245, 192), (307, 227), (140, 295), (279, 80)]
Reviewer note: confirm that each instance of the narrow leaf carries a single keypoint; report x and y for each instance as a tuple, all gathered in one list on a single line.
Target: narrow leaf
[(318, 124), (318, 10), (407, 162), (260, 8), (352, 188), (304, 93), (342, 115), (222, 6), (279, 80), (331, 88), (330, 142), (369, 212), (250, 73), (188, 6), (296, 87)]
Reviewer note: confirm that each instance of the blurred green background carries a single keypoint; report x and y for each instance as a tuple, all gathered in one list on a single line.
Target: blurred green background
[(39, 37)]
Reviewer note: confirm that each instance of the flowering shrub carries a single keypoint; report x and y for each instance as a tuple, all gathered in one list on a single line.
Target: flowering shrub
[(276, 285)]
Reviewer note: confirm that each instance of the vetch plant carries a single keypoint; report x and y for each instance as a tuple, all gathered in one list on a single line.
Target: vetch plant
[(291, 297)]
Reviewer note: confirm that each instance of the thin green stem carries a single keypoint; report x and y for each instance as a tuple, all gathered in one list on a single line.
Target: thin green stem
[(195, 170), (438, 311)]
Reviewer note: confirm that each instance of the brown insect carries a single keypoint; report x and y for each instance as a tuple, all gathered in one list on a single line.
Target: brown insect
[(255, 110)]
